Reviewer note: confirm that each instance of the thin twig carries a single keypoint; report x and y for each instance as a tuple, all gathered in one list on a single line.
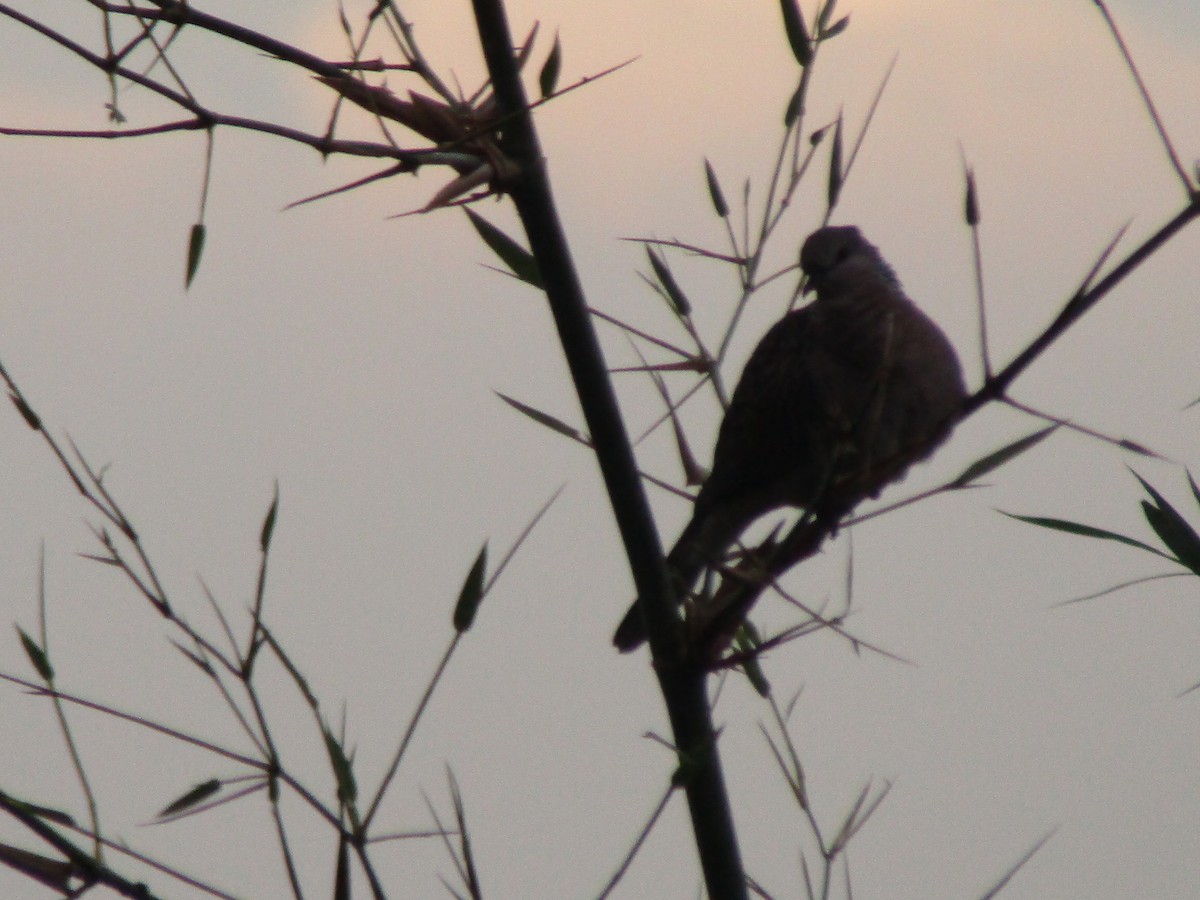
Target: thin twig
[(409, 731), (627, 861), (88, 869), (1188, 185), (1078, 305), (61, 714)]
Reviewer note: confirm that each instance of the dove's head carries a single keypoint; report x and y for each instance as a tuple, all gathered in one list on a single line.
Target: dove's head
[(837, 259)]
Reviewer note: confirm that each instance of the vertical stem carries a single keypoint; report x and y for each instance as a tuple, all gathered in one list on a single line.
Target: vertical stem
[(682, 682)]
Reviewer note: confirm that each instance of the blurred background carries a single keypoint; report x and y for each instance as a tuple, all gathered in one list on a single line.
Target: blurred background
[(353, 360)]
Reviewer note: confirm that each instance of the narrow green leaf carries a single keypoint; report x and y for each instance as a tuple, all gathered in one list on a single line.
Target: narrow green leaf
[(44, 812), (1154, 494), (795, 107), (544, 419), (37, 656), (675, 294), (525, 48), (31, 418), (1165, 526), (53, 873), (1086, 531), (343, 772), (747, 641), (835, 165), (471, 594), (1195, 488), (997, 458), (851, 823), (301, 682), (268, 526), (797, 33), (470, 873), (714, 191), (193, 797), (519, 260), (200, 662), (835, 29), (195, 250), (1135, 447), (824, 14), (548, 77), (1173, 529), (995, 889), (971, 202)]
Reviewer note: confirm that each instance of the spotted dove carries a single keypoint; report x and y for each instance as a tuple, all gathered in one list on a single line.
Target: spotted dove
[(837, 400)]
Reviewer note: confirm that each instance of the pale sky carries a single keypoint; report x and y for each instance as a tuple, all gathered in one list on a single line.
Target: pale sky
[(353, 359)]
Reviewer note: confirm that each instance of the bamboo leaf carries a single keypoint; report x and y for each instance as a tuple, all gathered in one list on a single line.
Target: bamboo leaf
[(1135, 447), (193, 797), (31, 418), (1181, 541), (795, 106), (824, 14), (797, 33), (544, 419), (835, 166), (301, 682), (858, 816), (195, 251), (1004, 879), (470, 873), (848, 827), (971, 201), (268, 526), (519, 260), (747, 641), (548, 77), (835, 29), (714, 191), (525, 48), (53, 873), (45, 812), (342, 769), (200, 662), (1195, 488), (471, 594), (1087, 531), (675, 294), (37, 656), (997, 458), (1171, 527)]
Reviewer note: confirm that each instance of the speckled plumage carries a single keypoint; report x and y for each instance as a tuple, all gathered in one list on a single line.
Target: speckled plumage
[(837, 400)]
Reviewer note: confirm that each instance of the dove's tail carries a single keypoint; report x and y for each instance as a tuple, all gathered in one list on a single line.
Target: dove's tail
[(698, 547)]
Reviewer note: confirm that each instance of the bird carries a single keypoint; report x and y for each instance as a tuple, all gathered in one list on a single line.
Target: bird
[(840, 397)]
